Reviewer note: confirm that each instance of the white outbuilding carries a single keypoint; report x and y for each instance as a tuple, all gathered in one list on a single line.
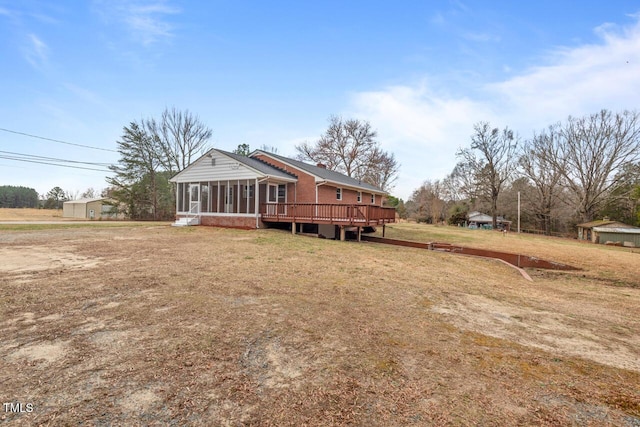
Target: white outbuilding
[(88, 209)]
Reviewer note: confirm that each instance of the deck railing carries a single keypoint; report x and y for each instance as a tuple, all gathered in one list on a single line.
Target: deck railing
[(327, 213)]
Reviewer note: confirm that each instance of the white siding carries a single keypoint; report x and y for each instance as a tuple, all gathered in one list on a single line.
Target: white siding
[(225, 168)]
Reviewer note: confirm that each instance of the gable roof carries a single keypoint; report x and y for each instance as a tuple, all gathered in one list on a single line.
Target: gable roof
[(258, 165), (623, 230), (482, 217), (255, 166), (322, 174), (86, 200), (601, 223)]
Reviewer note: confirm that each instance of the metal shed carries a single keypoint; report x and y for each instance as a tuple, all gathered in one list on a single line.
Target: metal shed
[(627, 236), (86, 209)]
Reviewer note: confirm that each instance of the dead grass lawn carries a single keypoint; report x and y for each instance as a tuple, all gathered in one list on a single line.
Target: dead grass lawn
[(203, 326), (27, 214)]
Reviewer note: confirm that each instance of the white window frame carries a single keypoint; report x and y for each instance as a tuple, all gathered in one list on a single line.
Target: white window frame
[(338, 193), (373, 199), (359, 196), (247, 189), (269, 200)]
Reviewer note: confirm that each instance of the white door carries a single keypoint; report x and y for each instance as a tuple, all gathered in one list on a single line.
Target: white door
[(194, 198), (228, 200)]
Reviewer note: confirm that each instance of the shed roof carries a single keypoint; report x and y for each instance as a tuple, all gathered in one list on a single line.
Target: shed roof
[(323, 173), (602, 223), (622, 230), (482, 217), (85, 200)]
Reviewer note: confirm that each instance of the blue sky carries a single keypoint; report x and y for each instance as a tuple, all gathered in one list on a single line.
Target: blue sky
[(273, 72)]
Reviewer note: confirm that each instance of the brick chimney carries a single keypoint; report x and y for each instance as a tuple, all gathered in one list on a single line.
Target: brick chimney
[(322, 165)]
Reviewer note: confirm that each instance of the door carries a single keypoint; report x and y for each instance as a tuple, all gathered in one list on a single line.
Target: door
[(228, 200), (194, 199)]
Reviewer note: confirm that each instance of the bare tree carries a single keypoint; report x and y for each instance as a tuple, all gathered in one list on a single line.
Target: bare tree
[(542, 164), (461, 184), (427, 203), (623, 202), (594, 148), (269, 148), (181, 137), (381, 169), (71, 194), (89, 193), (495, 163), (350, 147)]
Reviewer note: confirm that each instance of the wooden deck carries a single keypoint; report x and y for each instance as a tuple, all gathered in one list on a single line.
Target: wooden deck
[(314, 213)]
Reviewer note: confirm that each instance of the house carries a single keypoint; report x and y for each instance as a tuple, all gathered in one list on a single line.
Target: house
[(95, 208), (265, 189), (585, 230), (480, 220)]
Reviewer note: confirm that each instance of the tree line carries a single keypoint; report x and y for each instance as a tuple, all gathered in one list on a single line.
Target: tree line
[(18, 197), (25, 197), (571, 172)]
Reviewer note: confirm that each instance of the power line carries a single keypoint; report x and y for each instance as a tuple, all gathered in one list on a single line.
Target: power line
[(35, 157), (2, 156), (56, 140)]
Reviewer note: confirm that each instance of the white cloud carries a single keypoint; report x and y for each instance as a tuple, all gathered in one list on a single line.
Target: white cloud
[(146, 20), (481, 37), (36, 52), (425, 127), (422, 128), (577, 81)]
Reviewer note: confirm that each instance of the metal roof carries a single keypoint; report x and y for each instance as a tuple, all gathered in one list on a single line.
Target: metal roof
[(482, 217), (323, 173), (86, 200), (598, 223), (624, 230)]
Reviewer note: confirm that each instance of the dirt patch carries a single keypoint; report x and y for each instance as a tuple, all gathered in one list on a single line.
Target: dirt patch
[(552, 331), (272, 364), (41, 352), (34, 258), (140, 401)]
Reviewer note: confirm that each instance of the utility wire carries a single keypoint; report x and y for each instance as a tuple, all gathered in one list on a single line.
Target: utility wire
[(2, 156), (34, 157), (56, 140)]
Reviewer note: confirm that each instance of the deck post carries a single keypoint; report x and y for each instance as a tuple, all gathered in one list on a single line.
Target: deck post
[(343, 233), (293, 228), (359, 234), (383, 228)]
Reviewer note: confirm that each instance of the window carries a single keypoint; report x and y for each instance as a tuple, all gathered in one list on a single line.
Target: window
[(247, 190), (373, 199), (272, 194), (204, 197), (282, 193), (338, 193)]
